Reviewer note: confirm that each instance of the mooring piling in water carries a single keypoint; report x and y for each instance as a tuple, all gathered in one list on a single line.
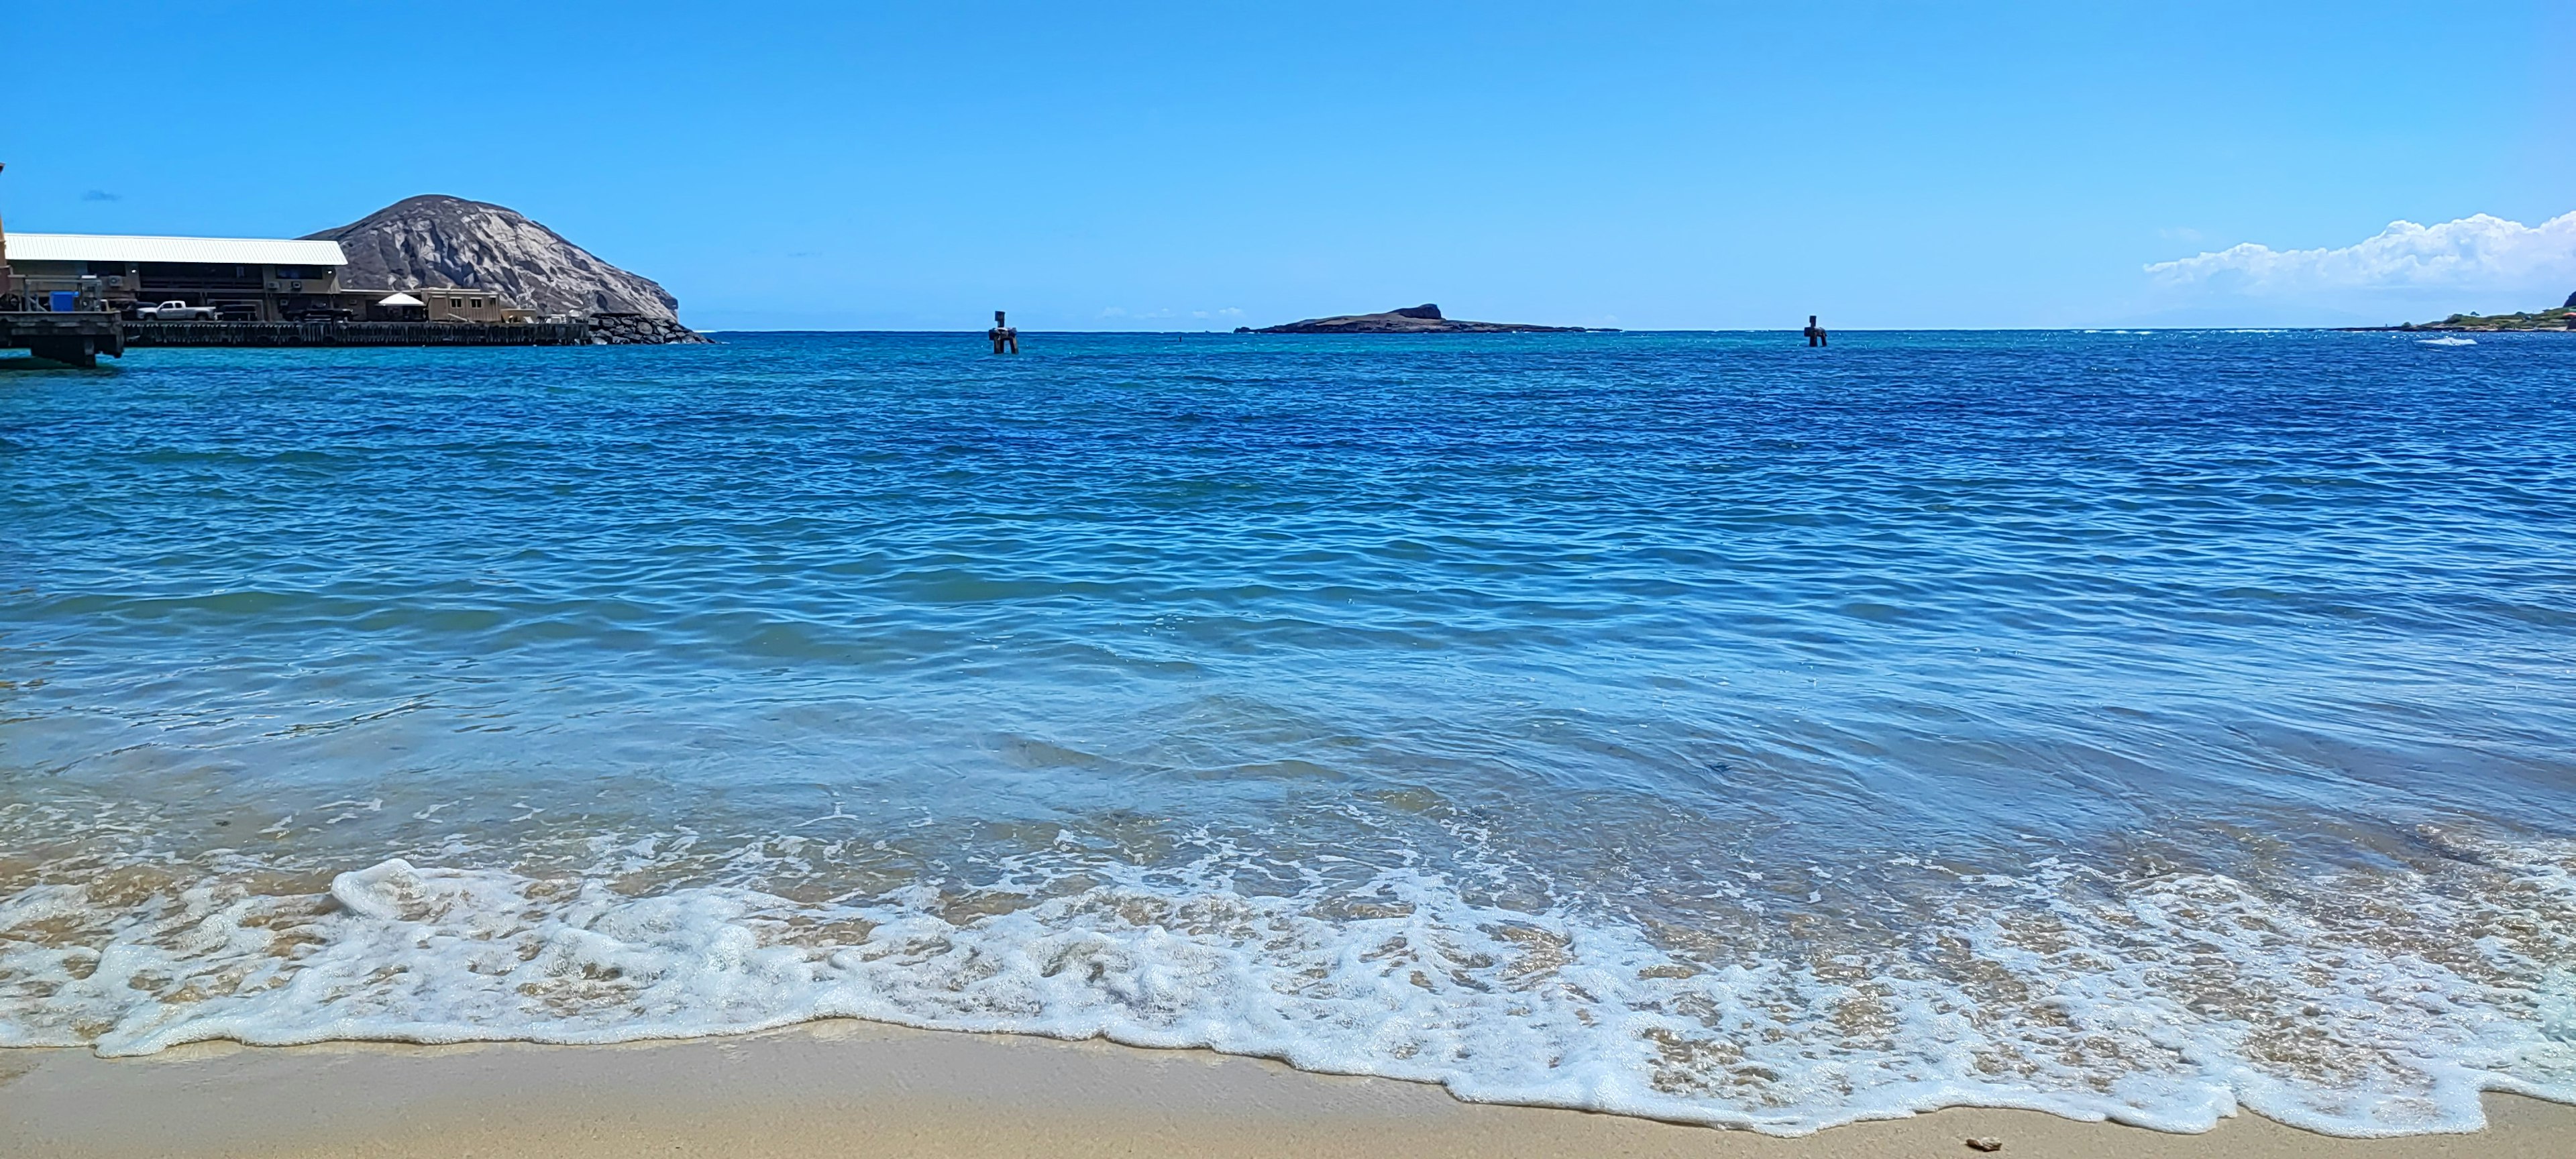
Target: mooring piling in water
[(1005, 339), (1815, 333)]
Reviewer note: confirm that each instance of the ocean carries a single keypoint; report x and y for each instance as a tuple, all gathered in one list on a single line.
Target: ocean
[(2133, 725)]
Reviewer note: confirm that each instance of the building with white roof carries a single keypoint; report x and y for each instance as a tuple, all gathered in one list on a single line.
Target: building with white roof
[(254, 279), (255, 251)]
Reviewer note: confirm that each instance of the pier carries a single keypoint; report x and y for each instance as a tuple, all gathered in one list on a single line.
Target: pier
[(357, 334), (73, 339), (77, 338)]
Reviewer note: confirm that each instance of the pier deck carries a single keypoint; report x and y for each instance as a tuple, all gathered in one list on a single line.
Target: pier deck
[(356, 334), (77, 339), (73, 339)]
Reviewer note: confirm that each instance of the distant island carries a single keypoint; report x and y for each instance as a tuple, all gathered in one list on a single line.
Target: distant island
[(2562, 318), (1422, 319)]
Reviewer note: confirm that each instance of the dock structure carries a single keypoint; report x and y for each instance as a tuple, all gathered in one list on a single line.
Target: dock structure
[(357, 334), (69, 298), (77, 338), (70, 338)]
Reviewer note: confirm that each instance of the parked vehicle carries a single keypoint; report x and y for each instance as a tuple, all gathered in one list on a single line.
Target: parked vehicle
[(175, 310)]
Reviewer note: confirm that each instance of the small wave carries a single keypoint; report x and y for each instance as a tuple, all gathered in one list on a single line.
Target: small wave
[(2446, 340), (2164, 1000)]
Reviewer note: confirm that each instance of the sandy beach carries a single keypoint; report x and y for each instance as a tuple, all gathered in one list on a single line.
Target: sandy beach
[(858, 1088)]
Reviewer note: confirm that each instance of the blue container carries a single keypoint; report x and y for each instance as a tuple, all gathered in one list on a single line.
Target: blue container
[(64, 301)]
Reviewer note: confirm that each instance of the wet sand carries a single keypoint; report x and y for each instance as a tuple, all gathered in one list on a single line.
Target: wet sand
[(856, 1088)]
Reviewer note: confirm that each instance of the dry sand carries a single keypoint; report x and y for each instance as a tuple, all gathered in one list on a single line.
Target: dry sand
[(860, 1089)]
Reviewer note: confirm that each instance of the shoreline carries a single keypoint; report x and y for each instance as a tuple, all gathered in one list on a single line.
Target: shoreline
[(846, 1087)]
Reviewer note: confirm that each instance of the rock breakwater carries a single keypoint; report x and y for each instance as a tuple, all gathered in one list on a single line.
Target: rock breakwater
[(637, 330)]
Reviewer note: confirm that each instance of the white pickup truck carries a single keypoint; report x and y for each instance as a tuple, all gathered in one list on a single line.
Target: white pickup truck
[(175, 311)]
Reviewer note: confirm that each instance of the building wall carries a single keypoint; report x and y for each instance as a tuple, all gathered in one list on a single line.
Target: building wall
[(37, 279), (320, 281), (456, 305), (268, 293), (272, 293)]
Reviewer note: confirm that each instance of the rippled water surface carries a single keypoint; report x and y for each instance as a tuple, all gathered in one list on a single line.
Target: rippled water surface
[(1690, 725)]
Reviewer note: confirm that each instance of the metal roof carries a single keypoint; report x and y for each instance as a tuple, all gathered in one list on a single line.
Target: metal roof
[(243, 251)]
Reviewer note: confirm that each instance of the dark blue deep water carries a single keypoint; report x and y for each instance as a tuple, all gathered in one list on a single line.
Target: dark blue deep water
[(1703, 726)]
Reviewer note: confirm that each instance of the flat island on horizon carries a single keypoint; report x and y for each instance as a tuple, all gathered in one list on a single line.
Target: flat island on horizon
[(2562, 318), (1422, 319)]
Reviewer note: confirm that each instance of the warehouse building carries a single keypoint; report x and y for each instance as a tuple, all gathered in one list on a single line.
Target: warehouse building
[(243, 279), (252, 279)]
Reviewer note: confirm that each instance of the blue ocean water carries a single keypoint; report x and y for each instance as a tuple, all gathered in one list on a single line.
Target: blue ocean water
[(1699, 726)]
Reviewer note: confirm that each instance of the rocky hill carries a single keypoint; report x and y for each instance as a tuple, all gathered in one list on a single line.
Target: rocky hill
[(1422, 319), (436, 240)]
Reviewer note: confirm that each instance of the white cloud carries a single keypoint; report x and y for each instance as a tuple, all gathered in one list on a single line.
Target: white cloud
[(2480, 253)]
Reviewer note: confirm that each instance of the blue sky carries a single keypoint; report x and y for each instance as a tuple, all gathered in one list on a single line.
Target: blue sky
[(1206, 165)]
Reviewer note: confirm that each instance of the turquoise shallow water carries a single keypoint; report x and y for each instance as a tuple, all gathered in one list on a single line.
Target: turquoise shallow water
[(2142, 725)]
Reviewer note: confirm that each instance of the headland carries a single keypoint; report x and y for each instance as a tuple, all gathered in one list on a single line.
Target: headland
[(2562, 318), (426, 271)]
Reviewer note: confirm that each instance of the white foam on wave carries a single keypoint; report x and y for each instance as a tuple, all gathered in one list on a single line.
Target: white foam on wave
[(2166, 1002), (2446, 340)]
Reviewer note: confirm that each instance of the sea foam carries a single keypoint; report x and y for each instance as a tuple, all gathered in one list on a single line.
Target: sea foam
[(2167, 1001)]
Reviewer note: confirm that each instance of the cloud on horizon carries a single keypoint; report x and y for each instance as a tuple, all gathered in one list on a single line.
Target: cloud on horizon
[(2477, 253)]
